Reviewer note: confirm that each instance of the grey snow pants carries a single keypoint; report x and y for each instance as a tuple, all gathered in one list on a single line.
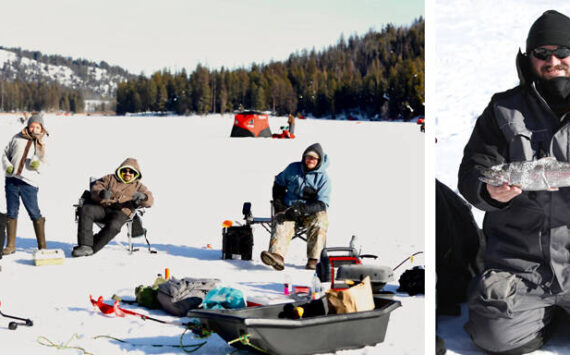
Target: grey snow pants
[(113, 222), (509, 315)]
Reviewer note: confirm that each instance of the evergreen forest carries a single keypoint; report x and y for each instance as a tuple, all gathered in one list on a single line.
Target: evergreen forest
[(379, 75), (20, 95)]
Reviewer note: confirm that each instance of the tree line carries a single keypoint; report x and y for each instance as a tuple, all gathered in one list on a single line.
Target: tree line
[(379, 74), (38, 96)]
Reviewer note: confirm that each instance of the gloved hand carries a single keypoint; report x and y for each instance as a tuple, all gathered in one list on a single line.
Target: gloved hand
[(279, 206), (34, 164), (295, 211), (105, 194), (138, 197), (9, 170), (280, 217)]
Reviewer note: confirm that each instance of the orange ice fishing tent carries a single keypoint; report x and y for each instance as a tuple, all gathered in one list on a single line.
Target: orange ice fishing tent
[(251, 124)]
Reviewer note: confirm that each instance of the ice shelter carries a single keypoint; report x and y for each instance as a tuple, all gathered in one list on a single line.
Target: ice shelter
[(251, 124)]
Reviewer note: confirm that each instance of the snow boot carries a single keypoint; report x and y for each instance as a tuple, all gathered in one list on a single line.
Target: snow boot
[(2, 232), (11, 225), (82, 250), (273, 259), (39, 228), (311, 264)]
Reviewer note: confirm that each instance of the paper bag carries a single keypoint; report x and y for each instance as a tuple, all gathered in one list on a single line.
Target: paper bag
[(355, 299)]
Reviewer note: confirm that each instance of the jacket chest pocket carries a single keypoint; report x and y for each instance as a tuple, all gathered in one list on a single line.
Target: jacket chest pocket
[(526, 145)]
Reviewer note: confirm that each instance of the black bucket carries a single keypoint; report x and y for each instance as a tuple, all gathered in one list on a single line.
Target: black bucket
[(237, 242)]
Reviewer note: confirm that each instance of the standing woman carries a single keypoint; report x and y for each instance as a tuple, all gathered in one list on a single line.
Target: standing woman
[(21, 161)]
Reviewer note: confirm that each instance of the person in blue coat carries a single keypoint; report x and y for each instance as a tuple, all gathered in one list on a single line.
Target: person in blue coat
[(301, 195)]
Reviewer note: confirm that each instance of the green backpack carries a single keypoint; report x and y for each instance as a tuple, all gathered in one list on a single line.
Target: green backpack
[(146, 296)]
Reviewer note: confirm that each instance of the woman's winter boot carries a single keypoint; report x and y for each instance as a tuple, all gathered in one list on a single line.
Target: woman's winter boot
[(39, 228), (11, 224), (2, 232)]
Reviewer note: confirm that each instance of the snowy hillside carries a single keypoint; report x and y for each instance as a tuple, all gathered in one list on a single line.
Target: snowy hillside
[(200, 177), (476, 46), (97, 80)]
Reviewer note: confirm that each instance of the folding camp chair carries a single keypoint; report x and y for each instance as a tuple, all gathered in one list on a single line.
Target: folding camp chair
[(134, 224), (269, 223)]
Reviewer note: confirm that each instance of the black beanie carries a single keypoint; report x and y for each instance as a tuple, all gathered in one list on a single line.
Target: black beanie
[(552, 28)]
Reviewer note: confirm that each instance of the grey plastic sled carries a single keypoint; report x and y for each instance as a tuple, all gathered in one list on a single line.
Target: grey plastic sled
[(318, 334)]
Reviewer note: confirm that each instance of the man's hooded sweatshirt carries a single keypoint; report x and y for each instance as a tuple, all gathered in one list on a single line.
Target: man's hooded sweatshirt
[(122, 192)]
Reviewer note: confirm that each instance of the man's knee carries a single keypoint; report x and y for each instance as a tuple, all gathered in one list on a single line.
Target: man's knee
[(501, 338), (116, 223), (497, 321), (321, 217), (88, 210), (284, 230), (319, 222)]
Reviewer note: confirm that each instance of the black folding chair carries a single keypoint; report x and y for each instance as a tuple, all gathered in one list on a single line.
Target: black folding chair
[(269, 223), (134, 224)]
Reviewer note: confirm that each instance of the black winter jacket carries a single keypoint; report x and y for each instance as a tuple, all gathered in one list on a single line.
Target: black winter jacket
[(530, 235)]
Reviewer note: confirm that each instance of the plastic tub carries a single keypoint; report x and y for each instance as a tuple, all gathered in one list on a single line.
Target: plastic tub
[(317, 334)]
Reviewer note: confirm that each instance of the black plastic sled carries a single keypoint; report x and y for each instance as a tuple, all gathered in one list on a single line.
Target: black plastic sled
[(309, 335)]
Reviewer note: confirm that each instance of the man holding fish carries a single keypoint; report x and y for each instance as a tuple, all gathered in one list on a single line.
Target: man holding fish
[(513, 168)]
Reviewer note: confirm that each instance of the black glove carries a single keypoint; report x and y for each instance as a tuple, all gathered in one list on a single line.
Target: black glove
[(314, 207), (278, 195), (138, 197), (279, 206), (295, 212), (309, 194), (280, 217), (105, 194)]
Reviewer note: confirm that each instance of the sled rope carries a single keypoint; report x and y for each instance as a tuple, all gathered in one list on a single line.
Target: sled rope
[(46, 342), (411, 258), (187, 348), (244, 339)]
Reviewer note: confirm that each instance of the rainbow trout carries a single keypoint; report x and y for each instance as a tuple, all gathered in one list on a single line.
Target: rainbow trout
[(536, 175)]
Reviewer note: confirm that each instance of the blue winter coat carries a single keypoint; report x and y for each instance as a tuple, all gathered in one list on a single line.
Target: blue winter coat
[(295, 178)]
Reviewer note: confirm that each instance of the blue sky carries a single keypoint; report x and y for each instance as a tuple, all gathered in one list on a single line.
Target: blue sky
[(150, 35)]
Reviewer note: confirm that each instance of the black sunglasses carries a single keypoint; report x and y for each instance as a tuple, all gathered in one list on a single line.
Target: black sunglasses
[(543, 53), (128, 171)]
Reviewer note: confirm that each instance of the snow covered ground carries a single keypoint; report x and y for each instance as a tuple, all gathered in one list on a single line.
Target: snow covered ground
[(476, 45), (201, 177)]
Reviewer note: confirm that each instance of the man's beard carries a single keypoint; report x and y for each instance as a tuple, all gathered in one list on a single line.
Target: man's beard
[(556, 92), (557, 88)]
